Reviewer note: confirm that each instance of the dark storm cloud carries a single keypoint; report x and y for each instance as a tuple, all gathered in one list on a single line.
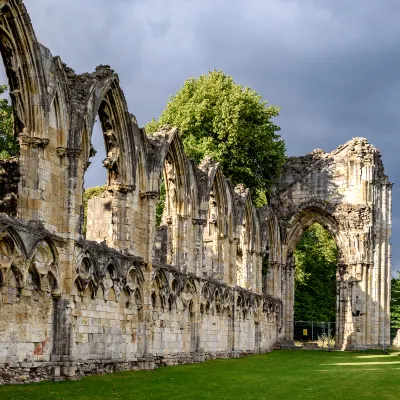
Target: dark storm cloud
[(333, 66)]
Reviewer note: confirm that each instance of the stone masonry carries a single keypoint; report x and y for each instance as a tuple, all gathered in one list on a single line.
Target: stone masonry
[(126, 294)]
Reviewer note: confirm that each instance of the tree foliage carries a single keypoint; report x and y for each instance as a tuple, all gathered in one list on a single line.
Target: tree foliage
[(231, 123), (315, 276), (161, 204), (8, 144), (395, 303)]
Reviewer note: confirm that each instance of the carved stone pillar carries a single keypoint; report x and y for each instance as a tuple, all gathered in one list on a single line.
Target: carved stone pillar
[(220, 269), (182, 237), (344, 322), (198, 350), (232, 261), (149, 203), (270, 287), (288, 299), (258, 273), (75, 196), (63, 339), (199, 225), (147, 361)]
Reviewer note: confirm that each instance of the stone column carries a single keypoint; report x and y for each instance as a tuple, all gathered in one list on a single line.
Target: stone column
[(198, 350), (278, 280), (63, 340), (225, 259), (346, 323), (258, 287), (246, 267), (182, 237), (199, 225), (385, 282), (233, 262), (146, 361), (149, 204), (235, 325), (288, 300), (272, 267)]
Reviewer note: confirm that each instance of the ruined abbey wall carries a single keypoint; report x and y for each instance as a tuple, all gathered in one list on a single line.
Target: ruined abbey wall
[(347, 192), (119, 292)]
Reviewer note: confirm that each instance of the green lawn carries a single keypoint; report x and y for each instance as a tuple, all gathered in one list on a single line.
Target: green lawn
[(282, 374)]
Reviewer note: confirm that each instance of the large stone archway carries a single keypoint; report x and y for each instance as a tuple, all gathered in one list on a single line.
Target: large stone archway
[(347, 192)]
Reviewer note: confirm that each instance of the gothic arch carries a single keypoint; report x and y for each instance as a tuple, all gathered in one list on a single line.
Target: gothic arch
[(23, 63), (12, 260), (216, 230), (190, 287), (217, 197), (58, 120), (85, 270), (112, 266), (44, 260), (10, 235), (306, 215), (348, 193), (251, 225), (174, 169), (107, 100), (134, 278), (141, 178), (176, 177)]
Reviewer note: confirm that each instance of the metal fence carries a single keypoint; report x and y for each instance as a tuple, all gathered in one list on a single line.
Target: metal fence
[(317, 335), (314, 334)]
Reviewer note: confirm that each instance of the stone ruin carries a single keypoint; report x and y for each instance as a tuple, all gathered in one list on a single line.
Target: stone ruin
[(127, 294)]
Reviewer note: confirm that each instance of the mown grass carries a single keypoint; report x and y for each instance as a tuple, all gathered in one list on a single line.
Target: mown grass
[(283, 374)]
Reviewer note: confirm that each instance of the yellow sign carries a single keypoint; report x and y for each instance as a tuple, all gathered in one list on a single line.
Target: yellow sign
[(305, 332)]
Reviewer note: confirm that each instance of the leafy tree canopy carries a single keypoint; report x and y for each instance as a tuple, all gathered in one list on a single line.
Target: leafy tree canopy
[(8, 144), (395, 303), (315, 276), (231, 123)]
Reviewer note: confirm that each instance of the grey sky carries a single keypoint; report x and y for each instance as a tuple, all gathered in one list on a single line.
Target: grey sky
[(333, 66)]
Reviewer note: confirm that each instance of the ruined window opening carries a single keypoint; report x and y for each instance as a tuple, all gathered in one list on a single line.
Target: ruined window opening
[(168, 202), (56, 123), (315, 276), (96, 174), (96, 178), (161, 203), (213, 232), (8, 131)]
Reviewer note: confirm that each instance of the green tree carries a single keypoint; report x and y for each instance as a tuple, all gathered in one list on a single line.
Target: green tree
[(231, 123), (8, 144), (315, 276), (161, 204), (395, 305)]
